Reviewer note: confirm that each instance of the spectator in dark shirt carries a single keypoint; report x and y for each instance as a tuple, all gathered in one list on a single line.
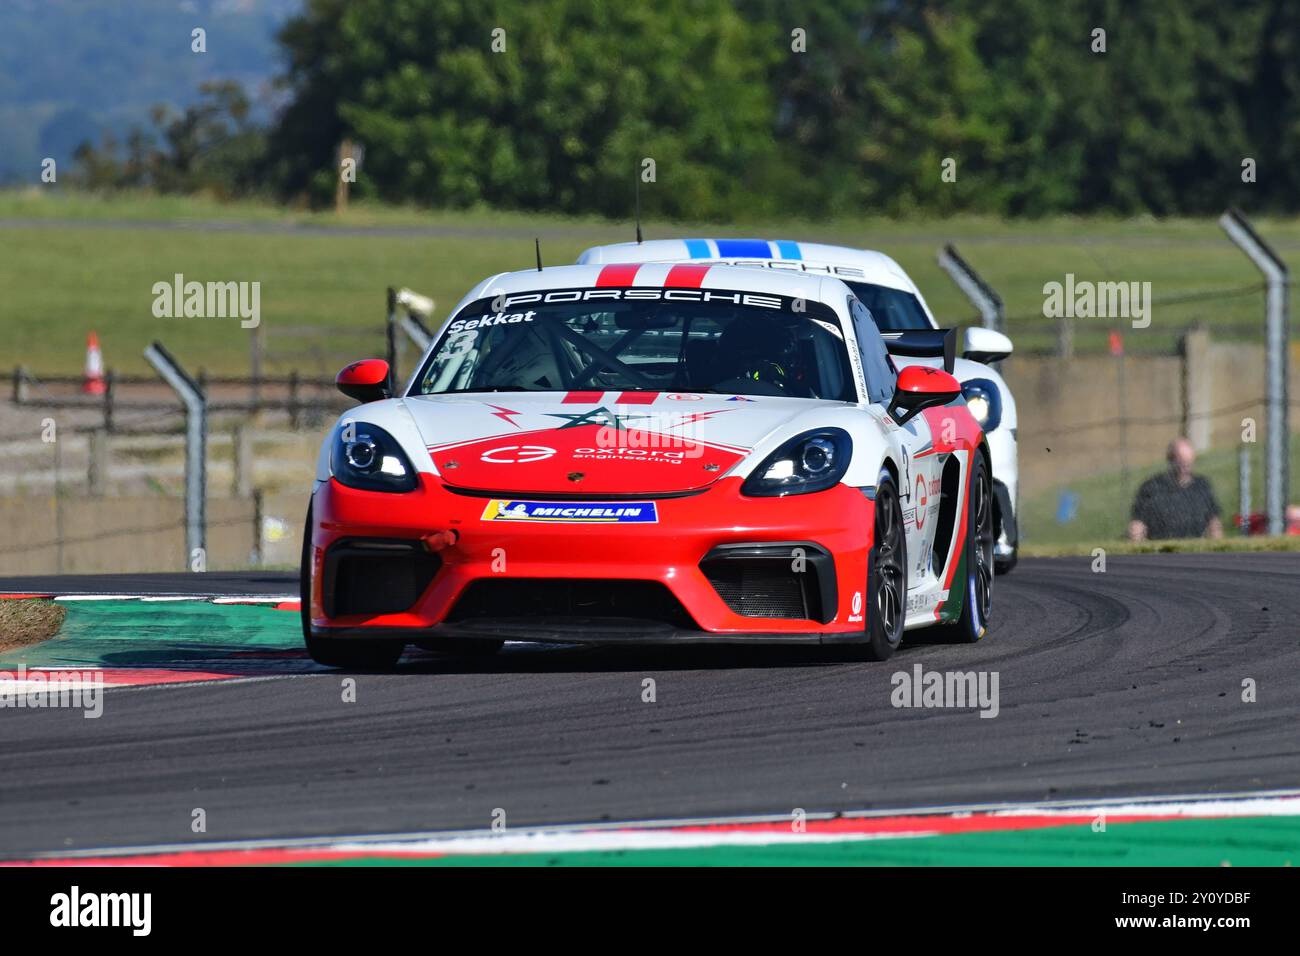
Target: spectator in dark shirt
[(1177, 503)]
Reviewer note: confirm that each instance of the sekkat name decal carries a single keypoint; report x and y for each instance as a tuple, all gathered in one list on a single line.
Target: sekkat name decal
[(500, 318), (572, 512)]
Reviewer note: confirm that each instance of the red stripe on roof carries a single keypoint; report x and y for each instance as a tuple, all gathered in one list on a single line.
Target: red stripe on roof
[(637, 398), (686, 277), (618, 274), (582, 398)]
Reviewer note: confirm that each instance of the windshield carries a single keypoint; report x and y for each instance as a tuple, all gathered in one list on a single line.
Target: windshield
[(697, 341), (893, 309)]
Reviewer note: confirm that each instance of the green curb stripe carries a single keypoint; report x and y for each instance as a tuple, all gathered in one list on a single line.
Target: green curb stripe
[(158, 633), (1238, 841), (950, 609)]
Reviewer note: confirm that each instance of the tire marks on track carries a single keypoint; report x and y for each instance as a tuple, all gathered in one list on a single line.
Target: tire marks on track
[(1117, 684)]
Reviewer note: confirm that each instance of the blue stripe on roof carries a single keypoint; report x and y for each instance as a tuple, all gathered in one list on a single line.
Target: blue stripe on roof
[(743, 249), (788, 250), (698, 249)]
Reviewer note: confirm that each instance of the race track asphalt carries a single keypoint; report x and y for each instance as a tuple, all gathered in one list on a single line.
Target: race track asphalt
[(1123, 683)]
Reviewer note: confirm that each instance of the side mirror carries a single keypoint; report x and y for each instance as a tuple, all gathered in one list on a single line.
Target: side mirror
[(366, 381), (921, 387), (984, 345)]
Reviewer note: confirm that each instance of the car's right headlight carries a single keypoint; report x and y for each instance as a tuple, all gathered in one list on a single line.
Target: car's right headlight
[(984, 401), (365, 456)]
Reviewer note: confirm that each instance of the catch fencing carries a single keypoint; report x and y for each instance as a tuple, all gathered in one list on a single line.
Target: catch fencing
[(1097, 407)]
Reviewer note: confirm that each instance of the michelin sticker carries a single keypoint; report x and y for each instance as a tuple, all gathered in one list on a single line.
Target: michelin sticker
[(571, 512)]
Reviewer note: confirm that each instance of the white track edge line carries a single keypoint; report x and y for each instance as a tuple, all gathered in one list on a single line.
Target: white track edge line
[(363, 840)]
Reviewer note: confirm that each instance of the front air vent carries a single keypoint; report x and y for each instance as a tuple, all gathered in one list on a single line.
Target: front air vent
[(372, 576), (790, 581), (556, 600)]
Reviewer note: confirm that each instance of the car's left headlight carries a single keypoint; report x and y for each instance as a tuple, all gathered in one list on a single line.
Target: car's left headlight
[(984, 401), (813, 461), (365, 456)]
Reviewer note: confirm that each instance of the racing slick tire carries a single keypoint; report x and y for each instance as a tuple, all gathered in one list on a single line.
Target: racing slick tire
[(348, 653), (977, 586), (886, 574)]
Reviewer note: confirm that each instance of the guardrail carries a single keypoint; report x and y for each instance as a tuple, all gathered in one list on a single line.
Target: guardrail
[(292, 394), (408, 314)]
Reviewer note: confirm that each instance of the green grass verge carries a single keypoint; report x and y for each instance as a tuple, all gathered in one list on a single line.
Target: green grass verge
[(1177, 546), (322, 286), (23, 622), (178, 634)]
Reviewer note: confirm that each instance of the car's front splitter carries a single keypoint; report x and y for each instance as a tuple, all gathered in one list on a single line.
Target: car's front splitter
[(482, 538)]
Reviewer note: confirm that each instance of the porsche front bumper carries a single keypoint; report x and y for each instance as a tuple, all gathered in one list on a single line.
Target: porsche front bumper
[(711, 567)]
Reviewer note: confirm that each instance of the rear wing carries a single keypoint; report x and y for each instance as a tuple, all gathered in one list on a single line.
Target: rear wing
[(924, 343)]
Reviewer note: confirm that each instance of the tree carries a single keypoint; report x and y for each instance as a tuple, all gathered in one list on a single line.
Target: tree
[(211, 146), (559, 117)]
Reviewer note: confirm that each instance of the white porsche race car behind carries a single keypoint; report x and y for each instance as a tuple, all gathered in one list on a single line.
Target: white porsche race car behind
[(897, 305)]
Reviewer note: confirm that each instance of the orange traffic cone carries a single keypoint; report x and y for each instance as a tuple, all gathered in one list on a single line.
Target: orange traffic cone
[(93, 384)]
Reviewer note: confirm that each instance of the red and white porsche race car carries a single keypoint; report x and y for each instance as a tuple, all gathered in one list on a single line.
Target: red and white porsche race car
[(650, 453)]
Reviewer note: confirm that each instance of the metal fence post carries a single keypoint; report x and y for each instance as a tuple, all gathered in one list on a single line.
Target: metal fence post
[(110, 390), (241, 441), (1198, 393), (1243, 487), (987, 301), (416, 331), (196, 432), (412, 308), (258, 512), (256, 358), (97, 464), (1064, 338), (58, 501), (1276, 454), (390, 336), (293, 399)]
